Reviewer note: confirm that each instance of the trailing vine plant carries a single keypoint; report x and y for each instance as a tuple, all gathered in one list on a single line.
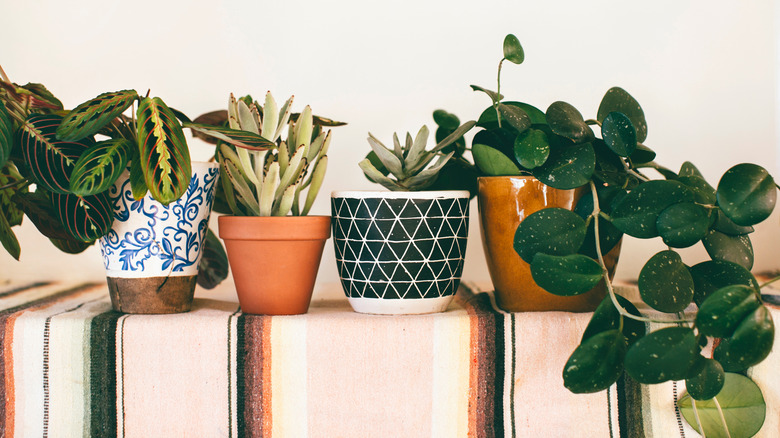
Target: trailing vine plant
[(708, 322)]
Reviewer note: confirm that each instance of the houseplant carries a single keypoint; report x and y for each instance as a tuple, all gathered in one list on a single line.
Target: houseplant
[(273, 245), (714, 321), (74, 172), (402, 251)]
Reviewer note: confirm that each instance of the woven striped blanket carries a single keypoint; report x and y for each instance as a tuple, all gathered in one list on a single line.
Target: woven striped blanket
[(70, 366)]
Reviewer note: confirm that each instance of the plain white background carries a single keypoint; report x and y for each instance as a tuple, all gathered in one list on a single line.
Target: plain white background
[(705, 72)]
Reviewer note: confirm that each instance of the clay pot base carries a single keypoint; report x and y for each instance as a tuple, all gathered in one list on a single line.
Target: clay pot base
[(152, 295), (385, 306)]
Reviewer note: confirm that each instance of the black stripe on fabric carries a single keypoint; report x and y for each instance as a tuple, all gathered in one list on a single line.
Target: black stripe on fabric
[(102, 378), (498, 404), (677, 410), (121, 366), (46, 343), (513, 371), (16, 290), (230, 371), (240, 376), (609, 412), (629, 399)]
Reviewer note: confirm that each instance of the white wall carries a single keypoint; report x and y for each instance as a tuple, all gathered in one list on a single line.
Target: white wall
[(705, 72)]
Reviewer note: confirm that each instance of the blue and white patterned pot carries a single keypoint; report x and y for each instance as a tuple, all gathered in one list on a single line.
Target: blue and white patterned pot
[(152, 252), (400, 252)]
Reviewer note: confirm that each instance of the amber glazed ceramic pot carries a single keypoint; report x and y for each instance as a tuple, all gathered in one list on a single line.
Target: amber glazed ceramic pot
[(274, 260), (504, 201)]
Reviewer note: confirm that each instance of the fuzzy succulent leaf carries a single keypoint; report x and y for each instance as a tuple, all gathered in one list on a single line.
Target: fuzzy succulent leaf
[(315, 183), (242, 190), (378, 177), (91, 116), (267, 195), (390, 160), (286, 202), (416, 152)]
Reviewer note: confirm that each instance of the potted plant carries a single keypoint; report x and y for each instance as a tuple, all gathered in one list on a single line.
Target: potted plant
[(77, 199), (402, 251), (713, 322), (273, 245)]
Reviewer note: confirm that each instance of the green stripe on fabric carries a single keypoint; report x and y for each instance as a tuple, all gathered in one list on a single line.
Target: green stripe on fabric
[(629, 398), (6, 314), (102, 382)]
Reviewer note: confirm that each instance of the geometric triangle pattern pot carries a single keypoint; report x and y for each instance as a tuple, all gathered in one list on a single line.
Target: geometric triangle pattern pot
[(396, 250)]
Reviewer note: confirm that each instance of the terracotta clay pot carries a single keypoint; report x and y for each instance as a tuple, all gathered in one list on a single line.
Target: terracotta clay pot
[(504, 201), (274, 260)]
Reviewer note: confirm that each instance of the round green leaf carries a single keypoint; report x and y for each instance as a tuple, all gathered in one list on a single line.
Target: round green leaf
[(619, 134), (565, 275), (665, 283), (722, 312), (513, 51), (712, 275), (488, 118), (636, 214), (741, 402), (532, 148), (567, 167), (618, 100), (682, 225), (727, 226), (609, 235), (99, 167), (596, 363), (703, 192), (554, 231), (446, 120), (747, 194), (515, 116), (493, 162), (642, 154), (566, 121), (606, 317), (750, 344), (735, 249), (662, 355), (708, 382)]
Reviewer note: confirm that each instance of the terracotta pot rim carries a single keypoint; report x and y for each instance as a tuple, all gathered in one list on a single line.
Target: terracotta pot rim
[(274, 228), (388, 194)]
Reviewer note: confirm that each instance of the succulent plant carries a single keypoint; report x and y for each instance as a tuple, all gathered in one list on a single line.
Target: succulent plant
[(406, 166), (262, 175)]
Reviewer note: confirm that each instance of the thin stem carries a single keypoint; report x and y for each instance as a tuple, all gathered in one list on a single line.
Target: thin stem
[(769, 282), (593, 122), (21, 182), (498, 92), (634, 172), (698, 420), (722, 417), (605, 272)]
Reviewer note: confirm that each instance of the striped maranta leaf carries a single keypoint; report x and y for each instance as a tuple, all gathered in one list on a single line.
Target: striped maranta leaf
[(6, 134), (236, 137), (98, 167), (50, 160), (38, 207), (9, 175), (86, 218), (89, 117), (8, 238), (165, 158)]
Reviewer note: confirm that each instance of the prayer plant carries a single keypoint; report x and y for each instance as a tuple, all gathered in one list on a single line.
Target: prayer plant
[(72, 157), (708, 322)]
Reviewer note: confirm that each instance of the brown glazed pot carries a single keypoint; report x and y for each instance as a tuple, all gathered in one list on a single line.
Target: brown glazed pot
[(504, 201), (274, 260)]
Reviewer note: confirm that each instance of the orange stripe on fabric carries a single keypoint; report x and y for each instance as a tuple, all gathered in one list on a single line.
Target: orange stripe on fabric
[(474, 337)]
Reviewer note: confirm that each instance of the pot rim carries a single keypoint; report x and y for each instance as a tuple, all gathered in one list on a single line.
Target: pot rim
[(311, 227), (387, 194)]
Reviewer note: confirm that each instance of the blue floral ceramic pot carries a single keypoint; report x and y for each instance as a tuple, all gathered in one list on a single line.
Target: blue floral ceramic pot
[(152, 252), (400, 252)]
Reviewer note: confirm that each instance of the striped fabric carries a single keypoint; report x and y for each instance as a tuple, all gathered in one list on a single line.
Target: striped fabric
[(70, 366)]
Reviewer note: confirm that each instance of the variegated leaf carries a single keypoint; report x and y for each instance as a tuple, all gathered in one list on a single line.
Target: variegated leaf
[(242, 139), (6, 134), (137, 182), (10, 177), (86, 218), (39, 209), (51, 161), (165, 157), (99, 167), (70, 246), (89, 117)]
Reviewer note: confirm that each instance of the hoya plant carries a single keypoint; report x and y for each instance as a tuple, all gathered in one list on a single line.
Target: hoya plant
[(709, 321), (57, 165)]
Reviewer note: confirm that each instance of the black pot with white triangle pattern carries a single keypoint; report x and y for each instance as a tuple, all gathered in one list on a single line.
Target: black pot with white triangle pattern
[(400, 252)]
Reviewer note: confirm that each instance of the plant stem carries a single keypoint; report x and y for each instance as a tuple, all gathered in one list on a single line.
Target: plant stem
[(769, 282), (605, 272), (21, 182), (698, 420), (593, 122), (498, 93), (722, 417)]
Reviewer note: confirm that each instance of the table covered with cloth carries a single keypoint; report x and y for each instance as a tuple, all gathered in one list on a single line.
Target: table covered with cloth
[(70, 366)]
